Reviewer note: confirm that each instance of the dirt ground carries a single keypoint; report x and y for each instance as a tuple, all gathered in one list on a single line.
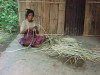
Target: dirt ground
[(91, 42), (5, 40), (18, 61)]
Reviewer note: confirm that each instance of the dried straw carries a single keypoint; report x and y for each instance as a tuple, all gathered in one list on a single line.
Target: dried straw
[(69, 49)]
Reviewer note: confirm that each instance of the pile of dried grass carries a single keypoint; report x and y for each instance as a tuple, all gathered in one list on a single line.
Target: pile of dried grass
[(69, 50)]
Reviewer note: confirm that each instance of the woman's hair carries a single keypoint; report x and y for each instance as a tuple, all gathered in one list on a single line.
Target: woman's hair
[(28, 11)]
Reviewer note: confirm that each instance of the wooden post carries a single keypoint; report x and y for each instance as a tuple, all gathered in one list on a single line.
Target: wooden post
[(87, 20)]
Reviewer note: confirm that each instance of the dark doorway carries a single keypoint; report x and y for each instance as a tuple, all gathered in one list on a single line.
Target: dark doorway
[(74, 20)]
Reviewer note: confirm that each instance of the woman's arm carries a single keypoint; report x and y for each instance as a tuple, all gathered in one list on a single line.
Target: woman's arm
[(23, 28), (24, 31)]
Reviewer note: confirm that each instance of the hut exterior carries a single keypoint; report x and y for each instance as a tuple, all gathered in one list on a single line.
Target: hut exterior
[(50, 14), (69, 17)]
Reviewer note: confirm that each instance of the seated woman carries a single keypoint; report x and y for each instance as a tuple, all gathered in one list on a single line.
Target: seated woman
[(30, 31)]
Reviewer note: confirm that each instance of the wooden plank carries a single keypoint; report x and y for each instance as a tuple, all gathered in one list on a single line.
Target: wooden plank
[(40, 9), (28, 5), (34, 7), (54, 0), (54, 11), (53, 16), (61, 18), (53, 26), (40, 17), (46, 17), (22, 7), (50, 2), (62, 5), (22, 17), (61, 21), (97, 19)]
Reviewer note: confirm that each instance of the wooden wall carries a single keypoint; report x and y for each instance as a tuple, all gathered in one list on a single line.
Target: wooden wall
[(92, 18), (50, 14)]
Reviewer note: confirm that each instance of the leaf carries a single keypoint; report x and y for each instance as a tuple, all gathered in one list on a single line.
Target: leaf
[(9, 15)]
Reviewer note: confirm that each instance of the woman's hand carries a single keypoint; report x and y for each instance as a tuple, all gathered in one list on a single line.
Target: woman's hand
[(35, 29), (24, 31)]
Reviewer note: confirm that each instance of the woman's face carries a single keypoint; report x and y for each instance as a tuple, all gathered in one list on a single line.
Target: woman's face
[(30, 17)]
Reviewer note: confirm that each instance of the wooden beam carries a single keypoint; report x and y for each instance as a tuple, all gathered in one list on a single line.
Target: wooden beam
[(44, 2), (94, 2)]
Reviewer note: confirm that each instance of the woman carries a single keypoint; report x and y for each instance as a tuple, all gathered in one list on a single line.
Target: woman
[(30, 31)]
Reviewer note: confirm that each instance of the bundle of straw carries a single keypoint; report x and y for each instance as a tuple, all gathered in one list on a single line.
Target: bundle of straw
[(69, 50)]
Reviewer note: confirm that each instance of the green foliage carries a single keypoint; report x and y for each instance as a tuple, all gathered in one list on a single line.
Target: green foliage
[(9, 15)]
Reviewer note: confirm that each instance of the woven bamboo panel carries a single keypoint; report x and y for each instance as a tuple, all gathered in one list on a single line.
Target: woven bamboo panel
[(50, 14)]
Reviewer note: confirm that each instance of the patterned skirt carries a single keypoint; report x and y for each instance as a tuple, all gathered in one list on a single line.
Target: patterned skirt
[(33, 40)]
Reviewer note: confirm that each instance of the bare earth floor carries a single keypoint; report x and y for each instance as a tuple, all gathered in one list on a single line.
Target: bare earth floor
[(18, 61)]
